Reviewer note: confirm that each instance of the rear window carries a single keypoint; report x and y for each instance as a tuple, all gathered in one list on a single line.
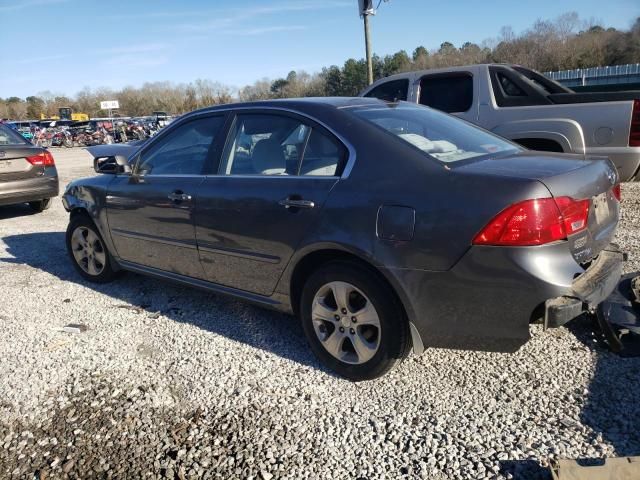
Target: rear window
[(391, 91), (449, 93), (441, 136), (9, 136)]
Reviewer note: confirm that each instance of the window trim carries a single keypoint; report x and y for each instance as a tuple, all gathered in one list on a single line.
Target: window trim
[(457, 73), (289, 113)]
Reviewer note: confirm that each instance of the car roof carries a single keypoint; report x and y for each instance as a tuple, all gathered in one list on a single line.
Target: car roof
[(298, 103)]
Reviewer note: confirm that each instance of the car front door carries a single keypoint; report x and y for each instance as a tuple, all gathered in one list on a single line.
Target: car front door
[(150, 212), (274, 177)]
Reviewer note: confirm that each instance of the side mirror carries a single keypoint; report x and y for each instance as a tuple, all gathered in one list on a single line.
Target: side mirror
[(112, 165)]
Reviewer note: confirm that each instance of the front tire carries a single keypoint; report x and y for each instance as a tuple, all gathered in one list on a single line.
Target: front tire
[(353, 321), (40, 205), (87, 250)]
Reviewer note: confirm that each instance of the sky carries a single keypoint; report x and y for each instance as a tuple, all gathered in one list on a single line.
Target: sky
[(65, 45)]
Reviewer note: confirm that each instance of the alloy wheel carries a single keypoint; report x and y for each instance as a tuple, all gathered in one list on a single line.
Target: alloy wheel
[(346, 322), (88, 251)]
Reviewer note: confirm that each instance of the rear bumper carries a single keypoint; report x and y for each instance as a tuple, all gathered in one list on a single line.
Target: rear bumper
[(489, 298), (588, 290), (31, 189)]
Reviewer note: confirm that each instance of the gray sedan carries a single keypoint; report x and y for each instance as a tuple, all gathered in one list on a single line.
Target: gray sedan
[(27, 173), (385, 227)]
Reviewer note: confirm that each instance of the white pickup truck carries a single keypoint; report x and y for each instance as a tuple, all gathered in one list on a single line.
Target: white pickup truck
[(525, 106)]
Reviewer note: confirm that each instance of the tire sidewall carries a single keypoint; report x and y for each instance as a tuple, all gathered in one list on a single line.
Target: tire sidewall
[(393, 326)]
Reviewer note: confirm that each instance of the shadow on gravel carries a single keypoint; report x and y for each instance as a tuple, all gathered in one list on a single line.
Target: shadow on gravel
[(260, 328), (524, 469), (611, 408), (12, 211)]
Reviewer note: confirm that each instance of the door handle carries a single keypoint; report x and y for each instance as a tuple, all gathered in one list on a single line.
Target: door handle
[(296, 203), (178, 196)]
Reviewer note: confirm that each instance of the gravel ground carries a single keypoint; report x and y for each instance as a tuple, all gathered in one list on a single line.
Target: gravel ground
[(176, 383)]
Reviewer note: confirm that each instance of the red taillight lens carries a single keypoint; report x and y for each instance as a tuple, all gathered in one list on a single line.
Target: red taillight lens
[(535, 222), (44, 159), (634, 132), (617, 192), (575, 214)]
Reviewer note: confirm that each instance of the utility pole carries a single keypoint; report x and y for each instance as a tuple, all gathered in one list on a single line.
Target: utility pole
[(367, 41), (365, 9)]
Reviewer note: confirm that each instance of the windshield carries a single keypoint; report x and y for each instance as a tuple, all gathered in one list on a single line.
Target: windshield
[(442, 136), (9, 136)]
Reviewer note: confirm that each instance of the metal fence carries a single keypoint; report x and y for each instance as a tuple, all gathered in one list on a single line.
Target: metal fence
[(614, 74)]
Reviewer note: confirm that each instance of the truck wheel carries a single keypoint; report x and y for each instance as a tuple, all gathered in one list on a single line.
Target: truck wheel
[(352, 321)]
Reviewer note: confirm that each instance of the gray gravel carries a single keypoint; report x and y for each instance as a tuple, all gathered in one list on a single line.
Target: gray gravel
[(175, 383)]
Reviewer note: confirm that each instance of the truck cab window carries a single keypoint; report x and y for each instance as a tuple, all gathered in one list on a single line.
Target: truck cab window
[(392, 91), (449, 93)]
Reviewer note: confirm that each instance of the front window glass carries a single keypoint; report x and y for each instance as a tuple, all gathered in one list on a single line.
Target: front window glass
[(183, 151), (443, 137)]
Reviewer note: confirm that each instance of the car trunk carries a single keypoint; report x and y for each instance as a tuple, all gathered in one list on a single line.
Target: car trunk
[(571, 176), (592, 97), (14, 164)]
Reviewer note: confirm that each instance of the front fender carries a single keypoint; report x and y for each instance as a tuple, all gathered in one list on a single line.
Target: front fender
[(90, 197), (567, 133)]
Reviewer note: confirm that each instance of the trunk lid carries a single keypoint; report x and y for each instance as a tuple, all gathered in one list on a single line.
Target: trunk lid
[(571, 176), (14, 164)]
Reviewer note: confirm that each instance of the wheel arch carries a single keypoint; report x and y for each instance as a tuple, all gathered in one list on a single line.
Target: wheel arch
[(540, 144), (565, 132), (311, 260)]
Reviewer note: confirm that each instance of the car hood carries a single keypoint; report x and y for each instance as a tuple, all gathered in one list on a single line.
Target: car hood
[(125, 149)]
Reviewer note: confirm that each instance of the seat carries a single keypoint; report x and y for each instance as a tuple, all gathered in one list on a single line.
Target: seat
[(268, 157)]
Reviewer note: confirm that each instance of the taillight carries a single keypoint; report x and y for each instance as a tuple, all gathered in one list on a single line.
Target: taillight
[(535, 222), (634, 132), (44, 159), (575, 214), (617, 192)]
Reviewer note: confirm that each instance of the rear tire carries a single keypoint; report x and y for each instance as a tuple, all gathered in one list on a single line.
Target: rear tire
[(360, 337), (87, 250), (40, 205)]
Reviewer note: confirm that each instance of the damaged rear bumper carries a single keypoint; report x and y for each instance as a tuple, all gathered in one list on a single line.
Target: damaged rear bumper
[(588, 290)]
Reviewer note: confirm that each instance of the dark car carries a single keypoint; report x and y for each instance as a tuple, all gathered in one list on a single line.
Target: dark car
[(384, 227), (27, 173)]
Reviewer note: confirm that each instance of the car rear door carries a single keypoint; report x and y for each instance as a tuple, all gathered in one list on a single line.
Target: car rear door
[(275, 174), (451, 92), (150, 212)]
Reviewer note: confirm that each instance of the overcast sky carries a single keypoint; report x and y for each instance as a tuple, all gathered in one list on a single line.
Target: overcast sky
[(64, 45)]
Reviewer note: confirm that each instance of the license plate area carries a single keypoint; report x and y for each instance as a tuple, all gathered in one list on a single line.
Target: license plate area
[(15, 165), (601, 208)]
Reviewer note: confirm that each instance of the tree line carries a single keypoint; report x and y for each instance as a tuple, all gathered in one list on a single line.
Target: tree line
[(564, 43)]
